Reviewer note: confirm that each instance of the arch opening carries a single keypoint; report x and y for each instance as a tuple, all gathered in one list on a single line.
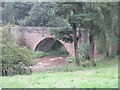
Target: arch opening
[(50, 44)]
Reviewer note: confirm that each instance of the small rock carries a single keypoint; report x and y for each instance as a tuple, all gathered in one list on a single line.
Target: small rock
[(60, 57), (51, 59)]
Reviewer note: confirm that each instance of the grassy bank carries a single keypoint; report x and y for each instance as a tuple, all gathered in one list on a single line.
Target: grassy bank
[(104, 75), (40, 54)]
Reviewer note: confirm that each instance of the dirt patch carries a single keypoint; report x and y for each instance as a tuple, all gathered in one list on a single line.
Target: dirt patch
[(49, 62)]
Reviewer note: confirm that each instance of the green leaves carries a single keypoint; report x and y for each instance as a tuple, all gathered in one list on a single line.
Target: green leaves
[(13, 54), (64, 34), (14, 12), (63, 10), (43, 14), (106, 19), (84, 51)]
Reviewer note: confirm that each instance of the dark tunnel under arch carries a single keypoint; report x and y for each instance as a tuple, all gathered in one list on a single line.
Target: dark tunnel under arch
[(49, 44)]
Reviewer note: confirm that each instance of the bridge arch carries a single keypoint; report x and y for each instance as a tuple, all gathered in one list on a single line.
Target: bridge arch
[(33, 36), (48, 44)]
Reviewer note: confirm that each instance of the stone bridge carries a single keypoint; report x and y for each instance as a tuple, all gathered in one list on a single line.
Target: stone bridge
[(39, 38)]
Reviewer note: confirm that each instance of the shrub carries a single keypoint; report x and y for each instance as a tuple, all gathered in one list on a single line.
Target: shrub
[(15, 59), (71, 59), (84, 51), (38, 54), (82, 58), (59, 51)]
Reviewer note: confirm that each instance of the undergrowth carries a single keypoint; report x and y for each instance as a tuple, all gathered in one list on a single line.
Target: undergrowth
[(101, 62)]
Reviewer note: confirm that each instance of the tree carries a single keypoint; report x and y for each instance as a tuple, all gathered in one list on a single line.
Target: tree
[(86, 22), (78, 16), (22, 9), (8, 13), (42, 14), (106, 18), (14, 12), (118, 31), (71, 11)]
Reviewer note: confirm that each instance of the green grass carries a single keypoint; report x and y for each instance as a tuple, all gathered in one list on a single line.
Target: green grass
[(104, 75), (40, 54), (57, 52)]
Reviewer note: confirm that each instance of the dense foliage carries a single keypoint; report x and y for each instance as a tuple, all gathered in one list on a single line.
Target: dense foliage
[(100, 19), (31, 14), (106, 22), (15, 59), (84, 51), (78, 17), (15, 12)]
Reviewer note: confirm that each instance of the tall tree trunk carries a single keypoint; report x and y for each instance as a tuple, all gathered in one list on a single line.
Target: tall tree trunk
[(107, 53), (106, 46), (75, 44), (118, 31), (118, 47), (91, 37), (107, 49), (79, 39)]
